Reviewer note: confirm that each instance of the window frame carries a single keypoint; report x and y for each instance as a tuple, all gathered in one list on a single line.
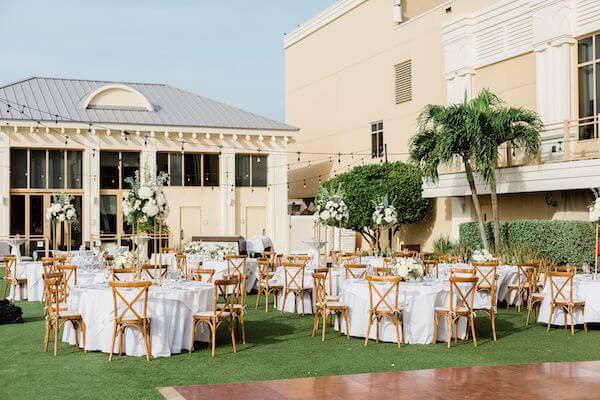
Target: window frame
[(251, 168), (46, 187), (377, 134), (119, 167), (593, 62), (202, 168)]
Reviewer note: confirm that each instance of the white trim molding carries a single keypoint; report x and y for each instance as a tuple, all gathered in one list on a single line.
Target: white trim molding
[(568, 175)]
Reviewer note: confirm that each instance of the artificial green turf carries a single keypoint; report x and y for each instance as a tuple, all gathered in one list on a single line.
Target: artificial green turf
[(278, 347)]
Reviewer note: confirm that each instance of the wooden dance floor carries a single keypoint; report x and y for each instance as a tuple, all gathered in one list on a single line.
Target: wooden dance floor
[(576, 380)]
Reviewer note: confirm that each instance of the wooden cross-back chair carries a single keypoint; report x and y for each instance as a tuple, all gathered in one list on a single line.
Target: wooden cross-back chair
[(270, 256), (326, 307), (388, 262), (126, 297), (404, 254), (355, 271), (565, 268), (181, 262), (109, 261), (349, 259), (447, 259), (328, 283), (562, 297), (488, 283), (10, 277), (152, 272), (521, 285), (462, 272), (70, 272), (298, 258), (266, 286), (203, 274), (236, 265), (57, 315), (462, 296), (122, 274), (293, 274), (239, 305), (383, 303), (225, 289), (382, 271), (537, 282), (335, 256), (431, 268)]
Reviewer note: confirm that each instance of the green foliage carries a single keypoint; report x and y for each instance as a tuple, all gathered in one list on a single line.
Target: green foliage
[(561, 241), (443, 246), (364, 185)]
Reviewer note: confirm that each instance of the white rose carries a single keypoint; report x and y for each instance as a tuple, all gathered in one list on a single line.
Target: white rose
[(160, 199), (56, 208), (70, 213), (150, 209), (145, 192), (137, 204), (329, 204), (61, 217), (325, 215)]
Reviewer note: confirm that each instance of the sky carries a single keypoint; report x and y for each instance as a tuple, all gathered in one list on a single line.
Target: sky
[(228, 50)]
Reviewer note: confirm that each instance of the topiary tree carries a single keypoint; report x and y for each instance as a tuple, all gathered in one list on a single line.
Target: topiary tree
[(364, 186)]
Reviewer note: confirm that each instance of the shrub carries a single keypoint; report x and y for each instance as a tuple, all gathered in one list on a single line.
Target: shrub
[(562, 241)]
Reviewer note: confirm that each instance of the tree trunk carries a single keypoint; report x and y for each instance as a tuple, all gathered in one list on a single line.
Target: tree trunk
[(475, 198), (494, 196)]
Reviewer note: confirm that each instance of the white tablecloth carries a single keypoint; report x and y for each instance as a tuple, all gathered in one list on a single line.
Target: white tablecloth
[(419, 299), (170, 310), (584, 288), (34, 289), (334, 278), (507, 274)]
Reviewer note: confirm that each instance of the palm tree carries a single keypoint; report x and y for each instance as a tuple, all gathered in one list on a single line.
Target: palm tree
[(446, 132), (499, 124)]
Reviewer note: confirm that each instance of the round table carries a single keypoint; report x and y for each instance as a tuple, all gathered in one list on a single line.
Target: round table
[(170, 309)]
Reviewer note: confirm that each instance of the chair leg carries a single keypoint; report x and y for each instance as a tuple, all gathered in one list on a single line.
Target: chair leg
[(472, 323), (56, 338), (193, 335), (315, 323), (267, 292), (550, 317), (241, 320), (232, 335), (572, 312), (395, 321), (75, 328), (436, 323), (47, 336), (258, 298), (493, 323), (112, 347), (213, 337), (324, 313), (347, 320), (377, 329), (529, 307), (148, 339), (369, 330), (449, 323), (84, 334), (285, 294)]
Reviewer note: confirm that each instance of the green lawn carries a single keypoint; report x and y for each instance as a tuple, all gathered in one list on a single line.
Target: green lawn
[(278, 347)]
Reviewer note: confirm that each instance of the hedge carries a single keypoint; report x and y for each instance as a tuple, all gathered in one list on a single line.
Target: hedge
[(564, 241)]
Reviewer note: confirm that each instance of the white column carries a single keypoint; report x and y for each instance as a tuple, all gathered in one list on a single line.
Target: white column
[(4, 182), (461, 213), (459, 84), (227, 182), (277, 219), (91, 189)]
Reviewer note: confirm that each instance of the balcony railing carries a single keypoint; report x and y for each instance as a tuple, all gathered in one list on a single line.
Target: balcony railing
[(565, 141)]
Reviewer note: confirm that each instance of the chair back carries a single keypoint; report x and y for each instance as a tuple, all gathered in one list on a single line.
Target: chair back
[(126, 296), (431, 268), (561, 286), (203, 274), (383, 293), (350, 258), (524, 270), (70, 272), (236, 265), (404, 254), (447, 259), (270, 256), (10, 265), (166, 250), (293, 276), (226, 289), (298, 258), (109, 261), (356, 271), (122, 274), (151, 272), (382, 271), (488, 278), (566, 268), (181, 261), (265, 272), (54, 291), (462, 272), (462, 292), (319, 289)]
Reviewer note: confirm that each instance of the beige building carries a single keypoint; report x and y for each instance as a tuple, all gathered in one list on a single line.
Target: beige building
[(358, 74), (227, 167)]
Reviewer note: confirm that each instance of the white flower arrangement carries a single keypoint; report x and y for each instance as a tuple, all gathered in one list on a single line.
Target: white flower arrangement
[(122, 259), (145, 203), (331, 209), (482, 256), (191, 248), (385, 214), (595, 207), (219, 252), (407, 268), (61, 210)]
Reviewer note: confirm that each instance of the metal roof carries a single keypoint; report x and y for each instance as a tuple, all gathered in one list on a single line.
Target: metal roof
[(171, 106)]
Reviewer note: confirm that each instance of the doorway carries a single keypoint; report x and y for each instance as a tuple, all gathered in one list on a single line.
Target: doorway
[(190, 223)]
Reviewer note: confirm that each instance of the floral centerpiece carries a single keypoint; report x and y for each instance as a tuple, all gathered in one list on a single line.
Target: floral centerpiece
[(385, 215), (191, 248), (123, 259), (407, 268), (331, 210), (482, 256), (219, 252), (61, 210), (145, 203)]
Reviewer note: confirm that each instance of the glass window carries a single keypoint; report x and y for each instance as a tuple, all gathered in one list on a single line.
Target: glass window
[(162, 163), (211, 170), (18, 168), (76, 234), (585, 50), (242, 170), (377, 146), (17, 215), (175, 176), (108, 215), (109, 170), (37, 168), (36, 215), (193, 165), (131, 163), (56, 169), (259, 171), (586, 91), (74, 169)]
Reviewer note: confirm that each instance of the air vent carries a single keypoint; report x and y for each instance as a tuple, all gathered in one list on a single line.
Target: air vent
[(403, 81)]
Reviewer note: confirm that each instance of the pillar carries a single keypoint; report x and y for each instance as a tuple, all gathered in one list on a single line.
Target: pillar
[(4, 182), (278, 220)]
